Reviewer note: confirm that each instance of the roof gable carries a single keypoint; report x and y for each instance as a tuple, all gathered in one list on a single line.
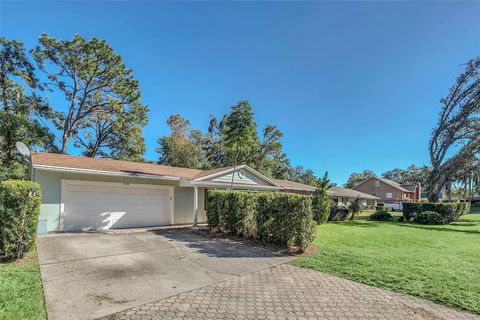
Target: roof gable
[(388, 182), (242, 175)]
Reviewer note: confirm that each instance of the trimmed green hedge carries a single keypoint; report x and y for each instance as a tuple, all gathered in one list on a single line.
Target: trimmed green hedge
[(19, 210), (450, 211), (280, 218), (429, 217)]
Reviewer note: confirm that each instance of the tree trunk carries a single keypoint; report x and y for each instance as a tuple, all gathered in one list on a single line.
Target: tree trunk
[(449, 188), (65, 141), (234, 166)]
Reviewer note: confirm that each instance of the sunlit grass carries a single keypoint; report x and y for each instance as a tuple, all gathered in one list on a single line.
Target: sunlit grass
[(439, 263)]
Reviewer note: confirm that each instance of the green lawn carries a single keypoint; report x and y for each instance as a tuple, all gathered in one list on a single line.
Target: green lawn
[(21, 294), (439, 263)]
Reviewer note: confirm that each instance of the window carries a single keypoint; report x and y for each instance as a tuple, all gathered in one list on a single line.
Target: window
[(377, 183), (388, 195)]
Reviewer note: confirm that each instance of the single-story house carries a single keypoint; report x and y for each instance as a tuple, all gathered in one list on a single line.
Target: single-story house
[(391, 193), (81, 193), (345, 196)]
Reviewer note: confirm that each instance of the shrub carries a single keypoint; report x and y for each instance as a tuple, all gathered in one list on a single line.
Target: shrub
[(321, 201), (401, 219), (450, 211), (381, 216), (338, 214), (430, 217), (279, 218), (355, 207), (19, 210), (383, 208)]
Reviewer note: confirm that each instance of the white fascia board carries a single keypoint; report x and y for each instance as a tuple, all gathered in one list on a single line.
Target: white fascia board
[(208, 184), (243, 166), (219, 173), (102, 172)]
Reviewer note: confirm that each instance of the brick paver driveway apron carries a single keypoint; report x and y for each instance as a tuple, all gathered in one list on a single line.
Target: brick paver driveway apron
[(289, 292)]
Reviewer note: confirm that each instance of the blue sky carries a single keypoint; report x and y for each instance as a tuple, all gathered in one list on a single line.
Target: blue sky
[(353, 85)]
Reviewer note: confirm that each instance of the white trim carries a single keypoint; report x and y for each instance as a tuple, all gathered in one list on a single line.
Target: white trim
[(63, 182), (227, 186), (243, 166), (102, 172)]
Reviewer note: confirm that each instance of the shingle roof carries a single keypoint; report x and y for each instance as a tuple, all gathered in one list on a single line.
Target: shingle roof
[(391, 183), (409, 187), (67, 161), (76, 162), (205, 173), (349, 193), (290, 185)]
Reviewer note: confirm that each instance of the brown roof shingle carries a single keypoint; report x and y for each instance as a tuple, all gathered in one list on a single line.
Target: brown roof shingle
[(349, 193), (67, 161), (290, 185)]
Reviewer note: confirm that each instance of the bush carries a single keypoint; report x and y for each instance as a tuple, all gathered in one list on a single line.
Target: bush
[(381, 216), (279, 218), (383, 208), (450, 211), (338, 214), (401, 219), (429, 217), (19, 210)]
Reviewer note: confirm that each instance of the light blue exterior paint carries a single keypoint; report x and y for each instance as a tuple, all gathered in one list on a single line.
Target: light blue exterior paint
[(50, 183)]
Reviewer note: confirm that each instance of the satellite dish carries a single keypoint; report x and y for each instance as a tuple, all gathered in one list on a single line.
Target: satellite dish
[(25, 152), (23, 149)]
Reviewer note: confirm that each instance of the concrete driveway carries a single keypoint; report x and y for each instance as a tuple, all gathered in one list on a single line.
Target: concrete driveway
[(89, 275)]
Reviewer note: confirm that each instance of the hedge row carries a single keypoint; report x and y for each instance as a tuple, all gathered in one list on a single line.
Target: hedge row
[(274, 217), (19, 210), (450, 211)]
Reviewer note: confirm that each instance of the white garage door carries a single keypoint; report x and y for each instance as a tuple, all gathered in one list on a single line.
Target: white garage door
[(90, 205)]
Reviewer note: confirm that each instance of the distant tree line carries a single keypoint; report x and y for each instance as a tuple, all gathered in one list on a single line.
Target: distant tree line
[(411, 175), (454, 147), (232, 139), (83, 90)]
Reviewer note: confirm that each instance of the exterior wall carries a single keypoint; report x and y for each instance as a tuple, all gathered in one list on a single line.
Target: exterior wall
[(183, 205), (380, 191), (50, 183), (346, 201)]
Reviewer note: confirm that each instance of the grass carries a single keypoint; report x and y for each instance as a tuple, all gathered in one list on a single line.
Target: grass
[(21, 293), (367, 213), (439, 263)]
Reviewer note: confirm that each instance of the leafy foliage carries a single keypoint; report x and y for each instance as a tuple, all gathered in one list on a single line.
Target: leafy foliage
[(411, 175), (179, 148), (449, 211), (381, 216), (355, 207), (216, 148), (280, 218), (338, 214), (102, 96), (19, 210), (356, 177), (18, 108), (429, 217), (321, 200), (455, 142)]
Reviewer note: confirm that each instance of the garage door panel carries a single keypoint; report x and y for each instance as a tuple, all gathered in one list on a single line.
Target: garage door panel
[(92, 205)]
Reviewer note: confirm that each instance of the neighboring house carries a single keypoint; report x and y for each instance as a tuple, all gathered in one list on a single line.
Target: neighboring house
[(92, 193), (344, 196), (391, 193)]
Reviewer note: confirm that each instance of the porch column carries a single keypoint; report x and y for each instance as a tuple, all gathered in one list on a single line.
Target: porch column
[(195, 208)]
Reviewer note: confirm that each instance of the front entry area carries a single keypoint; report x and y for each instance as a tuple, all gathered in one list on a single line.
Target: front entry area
[(88, 205)]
